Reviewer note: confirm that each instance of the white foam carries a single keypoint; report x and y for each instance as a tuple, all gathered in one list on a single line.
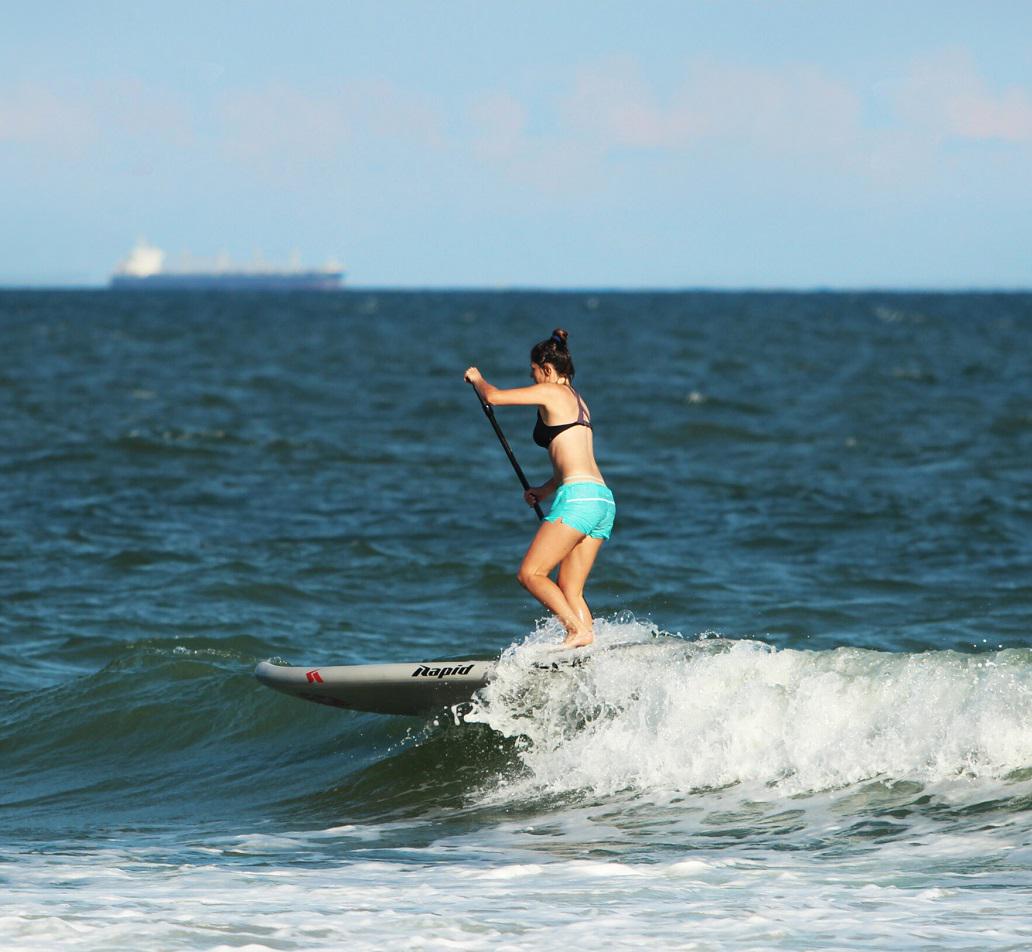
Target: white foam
[(674, 715), (745, 899)]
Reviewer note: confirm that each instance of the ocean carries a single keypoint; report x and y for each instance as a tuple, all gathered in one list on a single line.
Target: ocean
[(823, 543)]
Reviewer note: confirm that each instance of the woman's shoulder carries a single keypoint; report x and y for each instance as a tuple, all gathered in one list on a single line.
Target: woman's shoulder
[(560, 394)]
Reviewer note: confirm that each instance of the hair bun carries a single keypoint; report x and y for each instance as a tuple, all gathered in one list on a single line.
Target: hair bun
[(553, 350)]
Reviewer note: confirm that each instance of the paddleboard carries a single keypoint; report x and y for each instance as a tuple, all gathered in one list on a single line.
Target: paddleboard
[(419, 687), (416, 688)]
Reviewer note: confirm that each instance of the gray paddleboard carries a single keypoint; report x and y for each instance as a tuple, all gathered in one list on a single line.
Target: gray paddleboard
[(415, 688), (418, 687)]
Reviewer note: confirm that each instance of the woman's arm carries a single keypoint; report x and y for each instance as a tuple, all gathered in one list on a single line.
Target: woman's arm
[(537, 395), (539, 493)]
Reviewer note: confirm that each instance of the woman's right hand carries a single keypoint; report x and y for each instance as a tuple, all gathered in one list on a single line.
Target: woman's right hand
[(536, 494)]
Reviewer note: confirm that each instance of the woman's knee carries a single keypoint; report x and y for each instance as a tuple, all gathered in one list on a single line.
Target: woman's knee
[(525, 576), (529, 573)]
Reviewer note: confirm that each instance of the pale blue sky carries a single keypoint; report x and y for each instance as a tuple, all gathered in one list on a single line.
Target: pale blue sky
[(563, 144)]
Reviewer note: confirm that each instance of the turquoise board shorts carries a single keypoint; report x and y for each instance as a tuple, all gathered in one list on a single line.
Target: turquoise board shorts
[(587, 507)]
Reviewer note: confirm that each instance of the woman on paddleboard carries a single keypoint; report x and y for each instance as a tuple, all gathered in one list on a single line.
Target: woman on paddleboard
[(581, 517)]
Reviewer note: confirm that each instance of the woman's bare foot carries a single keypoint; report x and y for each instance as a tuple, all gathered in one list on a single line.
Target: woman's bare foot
[(579, 639)]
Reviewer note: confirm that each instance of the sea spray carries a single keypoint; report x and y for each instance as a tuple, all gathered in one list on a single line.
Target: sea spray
[(649, 713)]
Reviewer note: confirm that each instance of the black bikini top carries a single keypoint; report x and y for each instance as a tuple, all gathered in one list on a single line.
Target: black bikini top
[(544, 434)]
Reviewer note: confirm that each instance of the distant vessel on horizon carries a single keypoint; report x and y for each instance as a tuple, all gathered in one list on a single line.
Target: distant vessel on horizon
[(144, 270)]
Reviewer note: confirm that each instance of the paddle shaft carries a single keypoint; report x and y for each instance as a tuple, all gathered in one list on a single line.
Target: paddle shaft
[(489, 413)]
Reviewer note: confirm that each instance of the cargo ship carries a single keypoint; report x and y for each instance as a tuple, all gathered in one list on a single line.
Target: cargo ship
[(144, 270)]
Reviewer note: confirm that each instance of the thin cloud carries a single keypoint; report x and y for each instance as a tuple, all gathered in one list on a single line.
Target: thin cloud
[(945, 95), (67, 123), (797, 120), (34, 116), (284, 129), (791, 109), (501, 123)]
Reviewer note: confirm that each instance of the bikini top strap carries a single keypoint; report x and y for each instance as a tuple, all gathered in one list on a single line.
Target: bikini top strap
[(582, 416)]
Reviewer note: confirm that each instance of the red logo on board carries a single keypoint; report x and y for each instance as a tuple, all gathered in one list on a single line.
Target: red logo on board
[(313, 677)]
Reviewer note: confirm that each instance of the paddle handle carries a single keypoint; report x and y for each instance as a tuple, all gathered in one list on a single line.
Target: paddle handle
[(489, 413)]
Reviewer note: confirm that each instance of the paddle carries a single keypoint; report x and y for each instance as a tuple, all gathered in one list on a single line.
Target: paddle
[(489, 413)]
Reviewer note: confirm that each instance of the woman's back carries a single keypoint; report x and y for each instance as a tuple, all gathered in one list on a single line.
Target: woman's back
[(564, 429)]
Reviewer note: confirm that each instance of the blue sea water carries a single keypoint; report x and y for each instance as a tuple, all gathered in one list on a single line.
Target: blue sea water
[(825, 497)]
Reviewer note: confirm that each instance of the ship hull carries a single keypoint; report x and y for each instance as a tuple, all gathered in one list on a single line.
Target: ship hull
[(232, 281)]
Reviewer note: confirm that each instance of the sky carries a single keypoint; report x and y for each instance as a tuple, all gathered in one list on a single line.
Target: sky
[(700, 143)]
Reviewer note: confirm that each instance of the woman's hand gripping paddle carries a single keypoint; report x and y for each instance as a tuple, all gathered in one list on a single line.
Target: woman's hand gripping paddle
[(489, 413)]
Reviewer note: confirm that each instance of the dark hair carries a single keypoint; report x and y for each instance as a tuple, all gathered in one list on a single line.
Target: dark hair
[(555, 352)]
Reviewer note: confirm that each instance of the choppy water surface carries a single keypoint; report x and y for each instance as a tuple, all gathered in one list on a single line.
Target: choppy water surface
[(819, 737)]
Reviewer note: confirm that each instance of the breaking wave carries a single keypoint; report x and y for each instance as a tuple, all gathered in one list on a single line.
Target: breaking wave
[(642, 711)]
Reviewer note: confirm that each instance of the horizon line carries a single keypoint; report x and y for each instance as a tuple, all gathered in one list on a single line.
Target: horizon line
[(558, 289)]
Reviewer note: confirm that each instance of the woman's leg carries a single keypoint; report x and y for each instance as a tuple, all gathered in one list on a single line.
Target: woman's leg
[(573, 573), (553, 543)]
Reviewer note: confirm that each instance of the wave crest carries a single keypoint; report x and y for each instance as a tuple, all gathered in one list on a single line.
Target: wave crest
[(647, 712)]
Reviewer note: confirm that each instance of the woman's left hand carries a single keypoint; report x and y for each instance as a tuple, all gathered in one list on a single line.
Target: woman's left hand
[(472, 376)]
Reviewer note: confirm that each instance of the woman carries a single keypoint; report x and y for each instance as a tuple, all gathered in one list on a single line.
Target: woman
[(581, 517)]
